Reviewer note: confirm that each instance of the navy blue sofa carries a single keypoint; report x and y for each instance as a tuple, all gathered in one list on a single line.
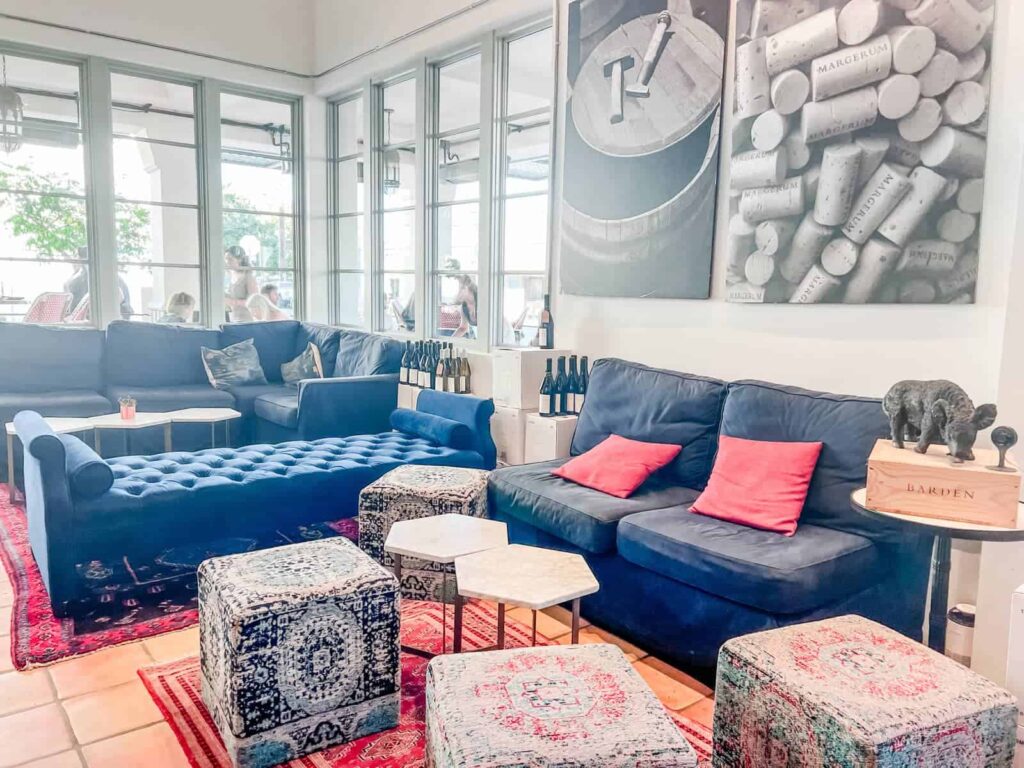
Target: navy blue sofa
[(681, 584), (81, 507)]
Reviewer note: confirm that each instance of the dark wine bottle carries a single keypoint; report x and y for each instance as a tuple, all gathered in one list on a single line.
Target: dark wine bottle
[(546, 331), (548, 396), (573, 385), (403, 372), (581, 394), (465, 375), (562, 388), (414, 366), (425, 367), (439, 371)]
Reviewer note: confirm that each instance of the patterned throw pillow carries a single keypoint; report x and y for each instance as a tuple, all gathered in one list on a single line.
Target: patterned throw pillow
[(305, 366), (233, 366)]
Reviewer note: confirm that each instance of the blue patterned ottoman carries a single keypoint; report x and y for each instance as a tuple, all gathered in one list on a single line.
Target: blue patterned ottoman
[(575, 706), (410, 492), (849, 692), (298, 649)]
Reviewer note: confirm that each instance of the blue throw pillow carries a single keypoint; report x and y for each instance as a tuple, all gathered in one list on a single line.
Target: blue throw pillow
[(233, 366), (88, 474), (306, 366), (436, 429)]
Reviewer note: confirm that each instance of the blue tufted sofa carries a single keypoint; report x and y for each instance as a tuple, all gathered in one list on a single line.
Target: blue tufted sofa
[(84, 372), (681, 584), (154, 502)]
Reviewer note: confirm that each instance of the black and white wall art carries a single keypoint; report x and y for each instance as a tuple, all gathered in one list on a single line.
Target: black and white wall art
[(642, 129), (859, 145)]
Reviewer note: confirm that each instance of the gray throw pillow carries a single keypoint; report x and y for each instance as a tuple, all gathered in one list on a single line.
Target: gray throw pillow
[(233, 366), (306, 366)]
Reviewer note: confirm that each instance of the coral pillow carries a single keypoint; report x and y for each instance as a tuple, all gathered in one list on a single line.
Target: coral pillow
[(759, 483), (617, 465)]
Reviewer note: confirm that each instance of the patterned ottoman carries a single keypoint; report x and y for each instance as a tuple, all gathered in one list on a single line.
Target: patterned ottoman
[(567, 706), (848, 692), (410, 492), (298, 649)]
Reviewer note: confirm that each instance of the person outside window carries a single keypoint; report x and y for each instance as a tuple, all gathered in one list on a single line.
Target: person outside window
[(241, 285)]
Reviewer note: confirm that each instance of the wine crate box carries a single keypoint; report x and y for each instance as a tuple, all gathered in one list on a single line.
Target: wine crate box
[(548, 438), (508, 428), (518, 373), (407, 396), (930, 485), (481, 374)]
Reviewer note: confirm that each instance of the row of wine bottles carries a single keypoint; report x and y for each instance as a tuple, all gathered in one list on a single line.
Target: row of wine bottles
[(436, 365), (562, 393)]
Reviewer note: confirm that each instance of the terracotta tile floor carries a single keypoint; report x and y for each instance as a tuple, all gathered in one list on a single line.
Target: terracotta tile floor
[(92, 712)]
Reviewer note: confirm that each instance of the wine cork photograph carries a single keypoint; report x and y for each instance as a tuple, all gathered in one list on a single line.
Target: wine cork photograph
[(642, 131), (858, 150)]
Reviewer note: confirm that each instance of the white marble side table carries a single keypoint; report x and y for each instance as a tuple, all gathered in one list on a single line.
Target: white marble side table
[(211, 416), (529, 577), (141, 421)]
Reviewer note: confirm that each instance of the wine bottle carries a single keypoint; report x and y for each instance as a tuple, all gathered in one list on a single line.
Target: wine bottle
[(547, 393), (562, 388), (573, 385), (414, 366), (581, 392), (403, 371), (465, 375), (439, 372), (425, 367), (546, 331)]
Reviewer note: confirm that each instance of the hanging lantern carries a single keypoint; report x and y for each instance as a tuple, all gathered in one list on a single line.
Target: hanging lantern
[(12, 115)]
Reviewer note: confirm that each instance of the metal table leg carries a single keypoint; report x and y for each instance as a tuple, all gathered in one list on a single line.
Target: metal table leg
[(940, 594), (501, 626), (534, 640), (213, 434), (457, 639), (444, 611), (10, 468), (167, 438), (576, 621)]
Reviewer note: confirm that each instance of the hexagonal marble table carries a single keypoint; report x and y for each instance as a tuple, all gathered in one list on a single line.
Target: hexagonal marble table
[(529, 577), (442, 539)]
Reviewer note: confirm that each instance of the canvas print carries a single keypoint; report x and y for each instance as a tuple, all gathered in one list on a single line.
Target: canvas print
[(642, 130), (859, 142)]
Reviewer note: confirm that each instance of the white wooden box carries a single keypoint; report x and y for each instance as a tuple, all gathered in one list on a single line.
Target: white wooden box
[(508, 428), (518, 374), (548, 438), (407, 396)]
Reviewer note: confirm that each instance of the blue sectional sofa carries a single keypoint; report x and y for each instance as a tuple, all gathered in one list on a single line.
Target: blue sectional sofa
[(681, 584), (83, 372), (81, 507)]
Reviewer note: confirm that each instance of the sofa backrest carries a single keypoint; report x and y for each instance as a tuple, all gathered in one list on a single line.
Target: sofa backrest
[(846, 426), (156, 355), (39, 358), (656, 406), (326, 339), (275, 341), (367, 354)]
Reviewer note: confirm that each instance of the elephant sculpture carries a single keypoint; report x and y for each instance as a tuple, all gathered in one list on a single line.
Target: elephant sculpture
[(936, 413)]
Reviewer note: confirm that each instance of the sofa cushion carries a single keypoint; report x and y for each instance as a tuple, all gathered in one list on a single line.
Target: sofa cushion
[(581, 516), (436, 429), (366, 354), (34, 357), (275, 342), (161, 399), (88, 474), (846, 426), (307, 365), (245, 396), (156, 355), (281, 408), (654, 406), (326, 339), (760, 569), (617, 466), (234, 366), (71, 403)]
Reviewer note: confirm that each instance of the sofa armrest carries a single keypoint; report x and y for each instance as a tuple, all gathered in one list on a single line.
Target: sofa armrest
[(474, 412), (354, 405)]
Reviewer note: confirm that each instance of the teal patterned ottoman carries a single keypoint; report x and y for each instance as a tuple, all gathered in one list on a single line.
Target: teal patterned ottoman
[(298, 649), (410, 492), (578, 706), (849, 692)]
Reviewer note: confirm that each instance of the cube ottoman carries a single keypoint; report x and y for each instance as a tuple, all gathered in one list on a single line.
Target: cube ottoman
[(566, 706), (410, 492), (299, 649), (848, 692)]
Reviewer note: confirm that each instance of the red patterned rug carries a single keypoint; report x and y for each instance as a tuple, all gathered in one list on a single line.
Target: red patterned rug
[(175, 689)]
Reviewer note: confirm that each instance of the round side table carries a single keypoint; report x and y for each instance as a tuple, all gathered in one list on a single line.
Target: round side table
[(943, 531)]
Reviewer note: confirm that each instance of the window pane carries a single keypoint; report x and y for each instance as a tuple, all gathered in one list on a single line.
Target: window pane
[(268, 241), (350, 186), (152, 233), (157, 173), (160, 294), (256, 125), (44, 227), (399, 240), (530, 72), (399, 112), (526, 234), (457, 311), (399, 308), (60, 83), (522, 299), (458, 171), (529, 160), (350, 127), (153, 109), (45, 168), (459, 94), (399, 177), (277, 296), (44, 292), (256, 186), (350, 242), (351, 303), (457, 231)]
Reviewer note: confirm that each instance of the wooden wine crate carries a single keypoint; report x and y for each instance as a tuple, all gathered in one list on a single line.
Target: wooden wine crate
[(930, 485)]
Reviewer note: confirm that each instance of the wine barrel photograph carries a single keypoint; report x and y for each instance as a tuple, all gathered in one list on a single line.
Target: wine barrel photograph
[(857, 168), (643, 123)]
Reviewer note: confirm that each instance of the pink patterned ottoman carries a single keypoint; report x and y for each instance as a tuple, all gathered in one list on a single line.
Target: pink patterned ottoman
[(567, 706), (848, 692)]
